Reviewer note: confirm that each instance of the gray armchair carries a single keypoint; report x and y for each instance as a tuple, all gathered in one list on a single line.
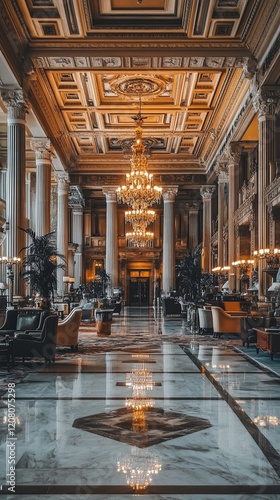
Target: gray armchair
[(37, 343)]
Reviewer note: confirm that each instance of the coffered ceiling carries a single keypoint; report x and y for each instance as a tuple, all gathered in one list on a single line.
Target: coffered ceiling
[(84, 65)]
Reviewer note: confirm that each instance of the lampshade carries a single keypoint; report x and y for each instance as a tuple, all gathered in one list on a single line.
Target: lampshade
[(254, 287)]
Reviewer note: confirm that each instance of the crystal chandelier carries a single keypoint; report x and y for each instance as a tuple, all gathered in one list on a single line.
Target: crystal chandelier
[(140, 219), (139, 191), (140, 238)]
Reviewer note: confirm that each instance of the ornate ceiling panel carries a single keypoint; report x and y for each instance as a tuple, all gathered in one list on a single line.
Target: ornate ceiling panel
[(85, 64)]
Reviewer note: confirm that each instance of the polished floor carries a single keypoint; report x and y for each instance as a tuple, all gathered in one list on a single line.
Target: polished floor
[(154, 410)]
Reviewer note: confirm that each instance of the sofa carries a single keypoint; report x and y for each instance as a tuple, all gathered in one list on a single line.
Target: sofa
[(21, 320)]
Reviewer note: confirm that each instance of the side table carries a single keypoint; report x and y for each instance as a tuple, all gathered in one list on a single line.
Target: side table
[(268, 341)]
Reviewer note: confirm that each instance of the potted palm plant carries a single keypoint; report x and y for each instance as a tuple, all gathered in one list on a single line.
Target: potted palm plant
[(40, 265)]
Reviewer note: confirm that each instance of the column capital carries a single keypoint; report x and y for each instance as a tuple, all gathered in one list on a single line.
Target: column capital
[(42, 147), (111, 193), (62, 179), (169, 193), (76, 198), (221, 170), (266, 100), (233, 152), (207, 192), (194, 208), (15, 101)]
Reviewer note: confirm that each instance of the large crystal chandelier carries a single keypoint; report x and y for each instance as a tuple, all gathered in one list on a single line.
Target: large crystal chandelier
[(139, 191)]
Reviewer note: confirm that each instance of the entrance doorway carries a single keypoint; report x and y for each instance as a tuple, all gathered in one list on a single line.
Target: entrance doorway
[(139, 291)]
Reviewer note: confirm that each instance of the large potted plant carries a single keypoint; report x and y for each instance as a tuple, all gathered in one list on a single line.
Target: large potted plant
[(40, 265)]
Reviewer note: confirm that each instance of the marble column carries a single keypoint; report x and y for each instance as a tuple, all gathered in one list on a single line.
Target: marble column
[(168, 250), (15, 177), (77, 221), (44, 153), (206, 194), (232, 154), (62, 225), (223, 178), (112, 249), (266, 101), (193, 226)]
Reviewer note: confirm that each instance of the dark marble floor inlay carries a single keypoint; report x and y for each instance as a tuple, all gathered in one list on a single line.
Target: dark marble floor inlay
[(161, 426)]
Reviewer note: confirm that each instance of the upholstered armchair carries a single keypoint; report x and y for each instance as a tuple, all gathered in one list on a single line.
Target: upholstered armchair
[(225, 324), (68, 329), (20, 320), (33, 344), (205, 320)]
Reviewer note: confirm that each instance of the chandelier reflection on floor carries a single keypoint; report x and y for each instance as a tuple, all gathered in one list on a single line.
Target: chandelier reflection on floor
[(140, 465), (139, 191)]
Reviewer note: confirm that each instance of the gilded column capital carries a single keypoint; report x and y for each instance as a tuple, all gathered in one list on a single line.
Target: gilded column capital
[(15, 101), (43, 148), (207, 192), (111, 193), (169, 193)]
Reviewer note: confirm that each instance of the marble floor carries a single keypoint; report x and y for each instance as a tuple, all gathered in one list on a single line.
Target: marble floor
[(154, 410)]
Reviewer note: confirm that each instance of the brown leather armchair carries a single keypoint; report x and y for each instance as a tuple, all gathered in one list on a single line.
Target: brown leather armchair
[(36, 343), (225, 324)]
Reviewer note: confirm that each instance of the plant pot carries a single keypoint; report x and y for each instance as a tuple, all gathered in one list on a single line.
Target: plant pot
[(104, 318)]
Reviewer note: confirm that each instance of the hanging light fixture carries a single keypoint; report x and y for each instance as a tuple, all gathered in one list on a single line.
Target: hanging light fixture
[(140, 219), (139, 191), (138, 238)]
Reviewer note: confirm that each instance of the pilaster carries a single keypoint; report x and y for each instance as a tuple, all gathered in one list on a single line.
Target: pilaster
[(168, 264)]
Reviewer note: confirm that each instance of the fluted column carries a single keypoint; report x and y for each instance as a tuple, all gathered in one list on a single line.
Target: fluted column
[(266, 101), (44, 152), (77, 203), (62, 225), (168, 264), (223, 178), (111, 235), (15, 178), (193, 226), (206, 194), (232, 154)]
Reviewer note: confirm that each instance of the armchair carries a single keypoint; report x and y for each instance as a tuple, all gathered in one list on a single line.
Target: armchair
[(205, 320), (20, 320), (225, 324), (37, 343), (68, 329)]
